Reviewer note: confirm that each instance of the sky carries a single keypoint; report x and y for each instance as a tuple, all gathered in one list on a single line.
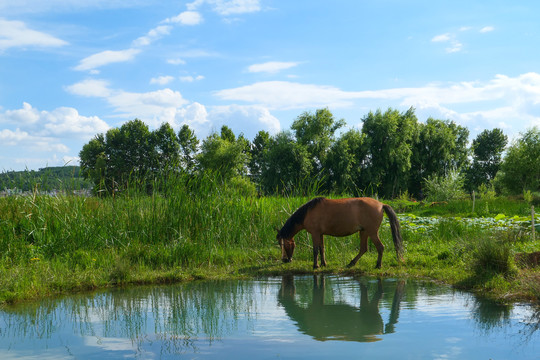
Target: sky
[(71, 69)]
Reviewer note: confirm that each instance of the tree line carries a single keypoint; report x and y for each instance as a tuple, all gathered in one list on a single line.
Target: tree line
[(64, 178), (392, 154)]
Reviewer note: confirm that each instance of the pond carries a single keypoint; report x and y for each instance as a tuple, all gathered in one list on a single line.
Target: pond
[(311, 317)]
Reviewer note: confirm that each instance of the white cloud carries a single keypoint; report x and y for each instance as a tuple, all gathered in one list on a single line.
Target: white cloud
[(487, 29), (244, 119), (154, 107), (190, 78), (289, 95), (152, 35), (176, 62), (271, 67), (162, 80), (11, 138), (59, 122), (508, 102), (65, 121), (90, 88), (228, 7), (186, 18), (16, 34), (455, 45), (106, 57), (441, 38)]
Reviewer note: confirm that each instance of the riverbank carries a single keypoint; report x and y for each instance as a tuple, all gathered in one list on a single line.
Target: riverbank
[(64, 244)]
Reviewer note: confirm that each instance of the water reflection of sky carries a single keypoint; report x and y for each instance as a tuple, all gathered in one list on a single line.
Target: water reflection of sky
[(290, 317)]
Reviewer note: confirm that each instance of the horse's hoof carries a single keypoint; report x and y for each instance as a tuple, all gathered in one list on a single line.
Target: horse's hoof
[(315, 267), (285, 260)]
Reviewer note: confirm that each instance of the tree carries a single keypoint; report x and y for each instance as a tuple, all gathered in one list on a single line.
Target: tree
[(441, 146), (129, 156), (389, 139), (316, 133), (167, 148), (344, 163), (220, 154), (287, 164), (91, 152), (189, 145), (487, 150), (520, 169), (258, 151)]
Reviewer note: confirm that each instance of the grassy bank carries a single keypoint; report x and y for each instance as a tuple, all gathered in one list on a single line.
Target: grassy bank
[(200, 229)]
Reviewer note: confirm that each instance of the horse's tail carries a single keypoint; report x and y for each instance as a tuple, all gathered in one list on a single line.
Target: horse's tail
[(396, 233)]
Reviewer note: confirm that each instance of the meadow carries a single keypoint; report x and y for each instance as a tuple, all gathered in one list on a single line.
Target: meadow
[(200, 229)]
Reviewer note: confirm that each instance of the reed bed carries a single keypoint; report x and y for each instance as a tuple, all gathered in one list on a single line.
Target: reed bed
[(200, 227)]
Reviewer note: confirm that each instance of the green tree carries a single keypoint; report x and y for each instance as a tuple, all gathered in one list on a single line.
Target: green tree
[(520, 169), (389, 139), (129, 155), (220, 154), (130, 152), (189, 145), (316, 133), (167, 148), (487, 150), (344, 163), (287, 165), (93, 162), (259, 148), (441, 146)]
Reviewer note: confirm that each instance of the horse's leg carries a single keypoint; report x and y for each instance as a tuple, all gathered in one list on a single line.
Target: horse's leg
[(363, 248), (316, 239), (321, 249), (380, 249)]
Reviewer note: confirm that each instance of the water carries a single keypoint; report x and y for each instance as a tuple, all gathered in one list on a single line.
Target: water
[(315, 317)]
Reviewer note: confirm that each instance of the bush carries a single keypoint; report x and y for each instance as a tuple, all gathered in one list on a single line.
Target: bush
[(492, 255), (445, 188)]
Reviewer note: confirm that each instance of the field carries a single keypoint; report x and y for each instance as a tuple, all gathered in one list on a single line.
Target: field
[(197, 229)]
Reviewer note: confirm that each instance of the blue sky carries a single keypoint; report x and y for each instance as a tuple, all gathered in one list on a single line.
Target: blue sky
[(70, 69)]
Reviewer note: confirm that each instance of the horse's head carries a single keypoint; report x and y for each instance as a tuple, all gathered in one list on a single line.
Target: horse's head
[(287, 247)]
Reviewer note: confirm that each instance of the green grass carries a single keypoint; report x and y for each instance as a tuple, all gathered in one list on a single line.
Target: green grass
[(200, 228)]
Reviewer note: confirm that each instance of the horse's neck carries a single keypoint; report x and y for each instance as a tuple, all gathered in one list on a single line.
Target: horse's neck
[(297, 228)]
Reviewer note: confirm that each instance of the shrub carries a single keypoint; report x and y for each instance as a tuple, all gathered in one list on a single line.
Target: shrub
[(491, 255), (445, 188)]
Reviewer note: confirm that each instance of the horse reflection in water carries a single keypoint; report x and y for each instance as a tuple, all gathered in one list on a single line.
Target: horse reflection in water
[(340, 321)]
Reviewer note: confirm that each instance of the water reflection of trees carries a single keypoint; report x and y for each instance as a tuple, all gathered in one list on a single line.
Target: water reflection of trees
[(331, 316), (179, 317), (184, 318)]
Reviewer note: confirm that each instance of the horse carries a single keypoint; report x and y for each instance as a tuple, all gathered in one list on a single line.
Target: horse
[(339, 217)]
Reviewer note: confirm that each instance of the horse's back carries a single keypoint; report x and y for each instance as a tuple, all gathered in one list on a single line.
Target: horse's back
[(342, 217)]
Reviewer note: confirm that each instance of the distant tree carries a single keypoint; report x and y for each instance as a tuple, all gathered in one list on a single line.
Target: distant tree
[(93, 162), (520, 169), (167, 148), (315, 131), (259, 148), (131, 155), (441, 146), (189, 145), (344, 163), (487, 149), (389, 137), (223, 155), (287, 165)]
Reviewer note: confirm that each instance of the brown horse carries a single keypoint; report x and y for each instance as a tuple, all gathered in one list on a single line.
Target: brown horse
[(339, 217)]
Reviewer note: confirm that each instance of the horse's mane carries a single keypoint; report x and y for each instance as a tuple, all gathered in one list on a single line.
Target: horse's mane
[(297, 218)]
